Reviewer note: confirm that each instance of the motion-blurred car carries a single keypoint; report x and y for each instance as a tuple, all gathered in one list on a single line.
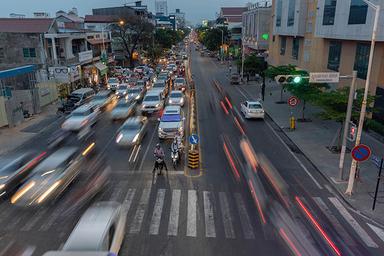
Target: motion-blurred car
[(135, 93), (14, 169), (112, 83), (123, 109), (160, 85), (100, 229), (102, 99), (235, 78), (252, 109), (171, 123), (152, 102), (143, 84), (176, 98), (180, 84), (132, 131), (85, 115), (121, 90), (51, 177)]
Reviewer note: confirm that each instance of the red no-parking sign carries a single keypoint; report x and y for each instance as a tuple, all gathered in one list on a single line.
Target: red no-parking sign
[(293, 101)]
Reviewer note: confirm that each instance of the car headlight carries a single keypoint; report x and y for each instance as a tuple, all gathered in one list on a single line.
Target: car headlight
[(182, 100), (119, 137), (2, 186), (137, 97), (157, 105), (170, 101), (143, 106), (49, 191), (160, 129), (135, 138), (116, 93), (124, 93), (181, 128)]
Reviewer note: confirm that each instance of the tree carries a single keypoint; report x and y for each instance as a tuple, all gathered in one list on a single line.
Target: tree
[(130, 32), (168, 37), (272, 72), (252, 64)]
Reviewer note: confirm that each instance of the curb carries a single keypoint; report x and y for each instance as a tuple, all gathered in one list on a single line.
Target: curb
[(340, 194)]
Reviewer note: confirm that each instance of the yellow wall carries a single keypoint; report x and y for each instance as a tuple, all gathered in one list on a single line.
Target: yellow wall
[(47, 92), (3, 114)]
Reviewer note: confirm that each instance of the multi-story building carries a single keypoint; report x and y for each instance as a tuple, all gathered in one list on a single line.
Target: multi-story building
[(166, 22), (231, 17), (161, 8), (256, 26), (180, 18), (330, 35)]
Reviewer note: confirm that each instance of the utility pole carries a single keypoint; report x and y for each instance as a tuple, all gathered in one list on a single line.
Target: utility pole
[(352, 172), (242, 58), (346, 125)]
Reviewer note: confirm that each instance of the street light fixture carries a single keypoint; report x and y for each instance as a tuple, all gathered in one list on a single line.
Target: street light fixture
[(352, 172), (121, 23)]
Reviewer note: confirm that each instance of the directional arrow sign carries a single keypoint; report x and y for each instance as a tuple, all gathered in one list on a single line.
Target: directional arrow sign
[(193, 139)]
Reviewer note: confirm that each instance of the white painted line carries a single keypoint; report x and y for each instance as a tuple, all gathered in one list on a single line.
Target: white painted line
[(137, 153), (338, 181), (139, 216), (238, 114), (244, 218), (226, 215), (156, 217), (128, 199), (340, 229), (146, 151), (132, 153), (378, 231), (174, 215), (192, 213), (209, 216), (242, 93), (295, 157), (354, 224)]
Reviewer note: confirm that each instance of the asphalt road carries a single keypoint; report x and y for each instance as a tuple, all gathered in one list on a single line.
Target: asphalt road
[(208, 211)]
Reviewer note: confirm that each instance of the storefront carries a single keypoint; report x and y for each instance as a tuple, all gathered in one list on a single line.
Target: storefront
[(95, 73)]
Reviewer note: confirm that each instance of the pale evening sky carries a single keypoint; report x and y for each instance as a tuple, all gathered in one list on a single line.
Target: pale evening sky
[(195, 10)]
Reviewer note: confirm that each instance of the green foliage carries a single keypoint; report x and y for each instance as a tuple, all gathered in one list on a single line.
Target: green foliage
[(212, 37), (168, 37), (252, 64)]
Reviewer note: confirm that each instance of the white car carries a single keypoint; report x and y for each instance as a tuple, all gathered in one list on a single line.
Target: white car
[(123, 109), (102, 98), (180, 84), (171, 123), (113, 83), (81, 117), (176, 98), (152, 102), (121, 90), (160, 85), (252, 109)]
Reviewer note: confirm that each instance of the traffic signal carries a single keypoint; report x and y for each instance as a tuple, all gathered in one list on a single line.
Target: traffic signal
[(352, 132), (288, 79)]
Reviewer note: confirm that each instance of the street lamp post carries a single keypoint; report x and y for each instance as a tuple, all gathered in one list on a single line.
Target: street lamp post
[(352, 172)]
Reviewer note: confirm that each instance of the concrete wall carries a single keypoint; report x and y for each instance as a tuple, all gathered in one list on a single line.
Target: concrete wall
[(3, 113), (13, 44), (48, 92), (298, 27)]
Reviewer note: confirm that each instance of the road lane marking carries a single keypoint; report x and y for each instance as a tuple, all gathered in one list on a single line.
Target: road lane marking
[(158, 209), (132, 153), (239, 114), (354, 224), (192, 211), (137, 153), (295, 157), (209, 216), (128, 199), (378, 231), (139, 216), (328, 213), (174, 215), (146, 151), (244, 218), (227, 218)]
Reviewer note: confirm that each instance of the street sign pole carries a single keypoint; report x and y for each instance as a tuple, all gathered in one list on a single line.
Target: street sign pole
[(377, 183)]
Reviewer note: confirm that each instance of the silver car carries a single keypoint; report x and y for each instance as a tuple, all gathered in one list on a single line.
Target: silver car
[(135, 93), (85, 115), (123, 109), (51, 177), (132, 131), (121, 90), (102, 99), (176, 98)]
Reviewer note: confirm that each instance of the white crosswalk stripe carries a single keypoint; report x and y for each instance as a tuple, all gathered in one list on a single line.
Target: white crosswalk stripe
[(156, 217), (139, 216), (192, 213), (353, 223), (174, 215), (208, 213), (227, 218), (244, 218)]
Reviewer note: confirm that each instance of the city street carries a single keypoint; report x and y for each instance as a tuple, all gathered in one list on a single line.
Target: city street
[(207, 211)]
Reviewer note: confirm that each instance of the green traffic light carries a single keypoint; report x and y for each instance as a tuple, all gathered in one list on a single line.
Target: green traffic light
[(265, 36), (297, 79)]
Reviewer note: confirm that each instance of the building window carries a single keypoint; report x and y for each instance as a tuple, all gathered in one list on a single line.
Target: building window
[(291, 13), (357, 12), (295, 48), (361, 60), (279, 10), (29, 52), (329, 12), (334, 55), (283, 45), (2, 54)]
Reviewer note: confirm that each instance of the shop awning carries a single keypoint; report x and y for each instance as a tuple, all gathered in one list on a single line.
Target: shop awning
[(102, 68)]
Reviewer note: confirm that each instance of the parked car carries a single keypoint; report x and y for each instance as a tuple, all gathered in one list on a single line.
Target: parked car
[(180, 84), (171, 123), (83, 116), (176, 98), (132, 131), (252, 109), (123, 109), (102, 98), (112, 83), (235, 78), (152, 102), (81, 96)]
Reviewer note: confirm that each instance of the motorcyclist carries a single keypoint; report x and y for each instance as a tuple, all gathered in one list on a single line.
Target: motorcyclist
[(159, 154), (175, 145)]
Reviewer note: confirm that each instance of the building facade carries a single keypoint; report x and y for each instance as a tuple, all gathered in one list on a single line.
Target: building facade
[(161, 8), (330, 36), (180, 18)]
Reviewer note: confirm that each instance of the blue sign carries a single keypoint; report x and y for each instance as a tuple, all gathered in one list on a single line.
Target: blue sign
[(376, 160), (361, 152), (193, 139)]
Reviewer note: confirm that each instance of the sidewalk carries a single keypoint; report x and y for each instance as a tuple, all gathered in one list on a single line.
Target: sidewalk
[(313, 138), (12, 138)]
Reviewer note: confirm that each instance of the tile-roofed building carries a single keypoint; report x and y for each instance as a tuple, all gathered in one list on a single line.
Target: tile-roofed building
[(26, 25)]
